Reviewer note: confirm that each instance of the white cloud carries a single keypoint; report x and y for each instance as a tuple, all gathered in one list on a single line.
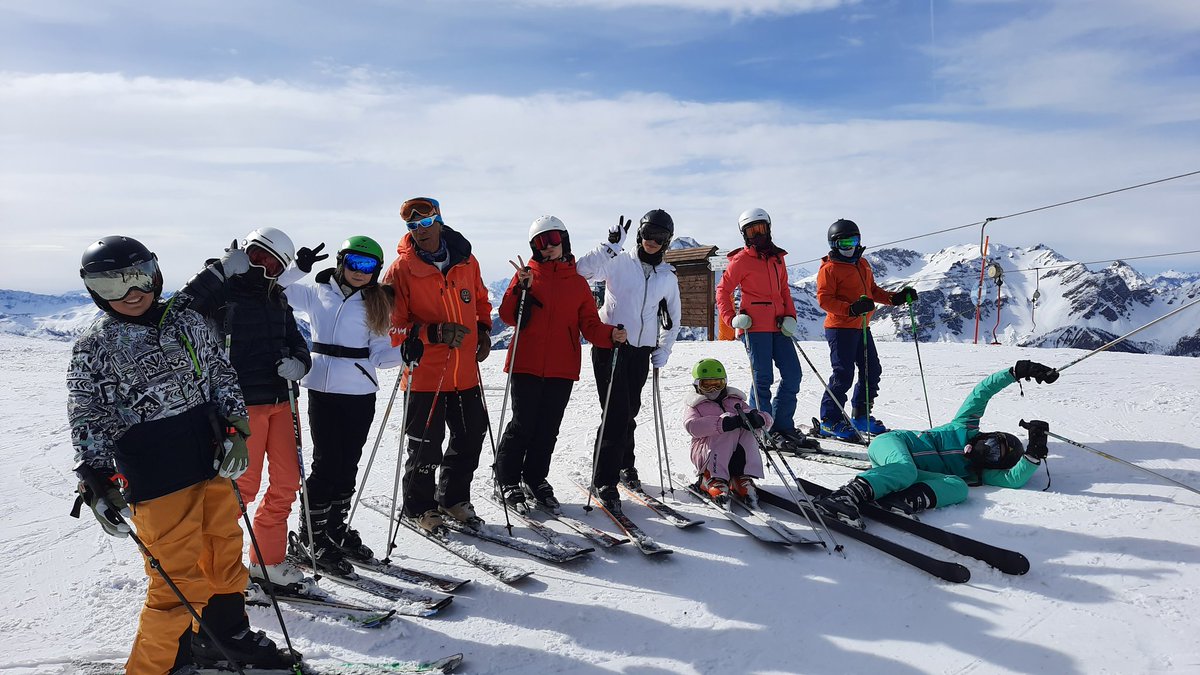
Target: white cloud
[(187, 165)]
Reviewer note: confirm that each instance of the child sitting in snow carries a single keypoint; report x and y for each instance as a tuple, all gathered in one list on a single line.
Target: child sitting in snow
[(724, 448)]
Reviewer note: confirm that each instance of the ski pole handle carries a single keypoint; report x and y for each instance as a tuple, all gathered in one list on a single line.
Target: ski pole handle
[(98, 486)]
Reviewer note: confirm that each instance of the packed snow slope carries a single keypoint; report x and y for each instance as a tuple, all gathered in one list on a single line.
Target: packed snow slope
[(1114, 585)]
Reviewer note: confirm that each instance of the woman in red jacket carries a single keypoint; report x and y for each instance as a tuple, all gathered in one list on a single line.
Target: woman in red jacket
[(544, 361)]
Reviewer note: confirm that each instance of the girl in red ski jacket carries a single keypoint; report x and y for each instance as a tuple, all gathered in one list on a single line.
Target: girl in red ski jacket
[(550, 304)]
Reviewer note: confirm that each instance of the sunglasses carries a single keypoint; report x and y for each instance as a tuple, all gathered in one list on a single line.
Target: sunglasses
[(271, 266), (116, 284), (424, 222), (357, 262), (847, 242), (709, 385), (419, 207), (547, 239), (756, 230), (656, 235)]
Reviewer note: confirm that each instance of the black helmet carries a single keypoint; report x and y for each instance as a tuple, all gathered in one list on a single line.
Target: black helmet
[(138, 269), (657, 222), (996, 450), (840, 229)]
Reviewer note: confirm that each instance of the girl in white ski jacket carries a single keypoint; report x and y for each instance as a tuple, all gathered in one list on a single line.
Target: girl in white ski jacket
[(348, 311), (642, 295)]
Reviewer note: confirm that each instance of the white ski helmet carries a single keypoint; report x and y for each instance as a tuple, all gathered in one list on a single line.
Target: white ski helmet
[(273, 241), (546, 224), (751, 216)]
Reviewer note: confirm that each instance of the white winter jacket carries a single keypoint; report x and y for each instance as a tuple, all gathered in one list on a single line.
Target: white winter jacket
[(338, 320), (633, 293)]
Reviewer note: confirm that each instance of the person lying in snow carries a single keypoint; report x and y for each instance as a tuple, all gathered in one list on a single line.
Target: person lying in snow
[(916, 470)]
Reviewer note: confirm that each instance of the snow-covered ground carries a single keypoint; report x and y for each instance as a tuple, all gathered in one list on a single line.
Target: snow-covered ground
[(1115, 584)]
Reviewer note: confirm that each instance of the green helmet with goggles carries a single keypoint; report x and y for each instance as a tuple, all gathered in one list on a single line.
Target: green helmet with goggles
[(361, 254), (708, 377)]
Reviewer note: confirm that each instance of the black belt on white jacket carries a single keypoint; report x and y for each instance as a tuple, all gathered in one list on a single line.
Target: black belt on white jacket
[(338, 351)]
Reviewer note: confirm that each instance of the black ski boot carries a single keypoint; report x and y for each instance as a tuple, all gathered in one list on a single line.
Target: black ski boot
[(343, 536), (543, 494), (629, 478), (912, 499), (843, 502), (794, 441), (329, 557), (225, 616), (609, 497), (514, 497)]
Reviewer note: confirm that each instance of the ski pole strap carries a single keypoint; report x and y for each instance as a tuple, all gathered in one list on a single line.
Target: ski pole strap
[(341, 352)]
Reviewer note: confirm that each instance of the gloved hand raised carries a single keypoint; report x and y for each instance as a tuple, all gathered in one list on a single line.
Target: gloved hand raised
[(412, 349), (1024, 370), (862, 306), (291, 368), (237, 455), (234, 261), (904, 295), (109, 508), (448, 333), (616, 233), (742, 321), (307, 257), (1038, 434)]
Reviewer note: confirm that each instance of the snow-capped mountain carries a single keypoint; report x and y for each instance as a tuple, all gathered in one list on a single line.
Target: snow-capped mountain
[(1045, 300)]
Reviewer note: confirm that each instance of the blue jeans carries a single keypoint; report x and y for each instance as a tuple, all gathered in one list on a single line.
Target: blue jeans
[(768, 350), (847, 352)]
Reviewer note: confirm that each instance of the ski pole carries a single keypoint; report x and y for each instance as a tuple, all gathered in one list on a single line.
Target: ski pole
[(487, 415), (312, 549), (662, 492), (1127, 335), (98, 486), (612, 376), (663, 430), (387, 413), (841, 406), (766, 446), (866, 375), (1131, 465), (912, 315), (406, 369), (437, 394)]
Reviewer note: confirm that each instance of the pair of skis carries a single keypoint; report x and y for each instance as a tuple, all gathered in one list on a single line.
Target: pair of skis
[(591, 533), (753, 519), (446, 664), (644, 542)]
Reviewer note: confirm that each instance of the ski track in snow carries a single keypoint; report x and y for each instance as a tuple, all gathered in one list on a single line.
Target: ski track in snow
[(1115, 584)]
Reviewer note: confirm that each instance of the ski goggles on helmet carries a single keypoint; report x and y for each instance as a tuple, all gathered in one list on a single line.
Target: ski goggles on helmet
[(357, 262), (547, 239), (991, 449), (421, 212), (756, 230), (116, 284), (271, 266), (709, 385), (847, 242), (656, 234)]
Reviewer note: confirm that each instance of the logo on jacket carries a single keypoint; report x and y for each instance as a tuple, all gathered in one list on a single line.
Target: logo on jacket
[(465, 294)]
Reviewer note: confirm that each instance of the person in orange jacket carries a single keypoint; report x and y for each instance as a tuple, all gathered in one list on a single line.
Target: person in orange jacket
[(441, 319), (554, 305), (847, 291)]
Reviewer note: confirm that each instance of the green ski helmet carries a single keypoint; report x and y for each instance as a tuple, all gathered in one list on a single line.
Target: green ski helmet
[(362, 245), (708, 369)]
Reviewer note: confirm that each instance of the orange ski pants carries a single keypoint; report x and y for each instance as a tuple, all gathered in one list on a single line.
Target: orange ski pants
[(272, 441), (193, 533)]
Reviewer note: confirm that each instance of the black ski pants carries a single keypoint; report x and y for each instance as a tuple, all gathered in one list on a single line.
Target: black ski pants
[(620, 412), (340, 424), (462, 412), (538, 405)]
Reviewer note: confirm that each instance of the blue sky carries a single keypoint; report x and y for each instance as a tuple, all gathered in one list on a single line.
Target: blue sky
[(187, 124)]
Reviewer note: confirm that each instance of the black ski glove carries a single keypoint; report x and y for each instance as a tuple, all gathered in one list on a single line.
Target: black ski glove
[(412, 349), (861, 306), (448, 333), (730, 422), (484, 347), (757, 421), (1036, 447), (1027, 369), (307, 257), (904, 295), (525, 309)]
